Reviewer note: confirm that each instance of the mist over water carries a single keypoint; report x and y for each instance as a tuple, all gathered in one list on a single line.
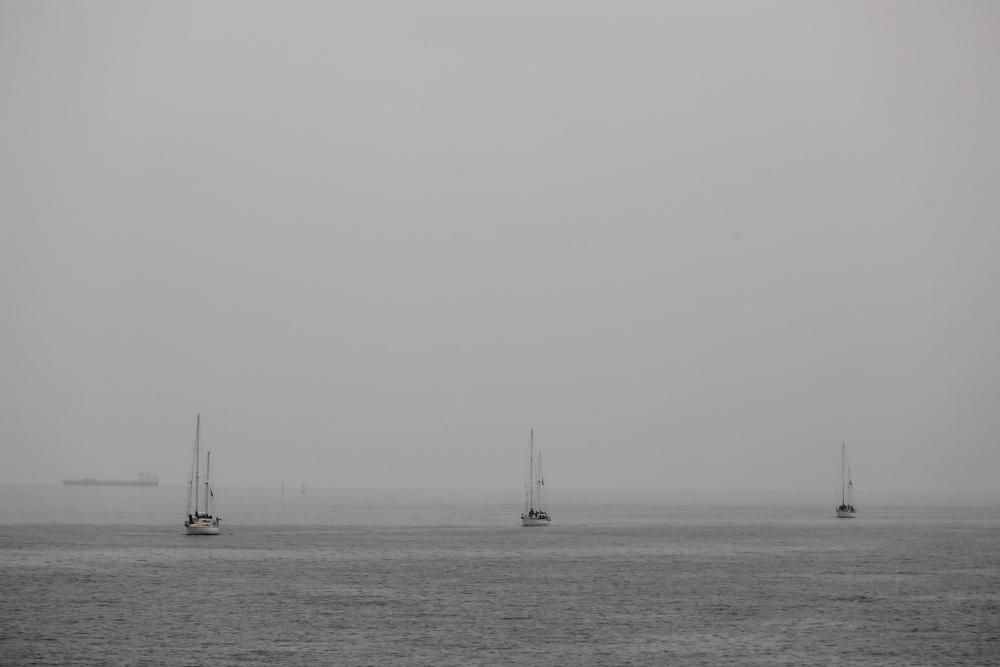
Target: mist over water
[(696, 246)]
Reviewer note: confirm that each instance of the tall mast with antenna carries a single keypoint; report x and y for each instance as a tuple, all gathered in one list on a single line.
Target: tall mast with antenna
[(531, 470), (843, 470), (197, 445)]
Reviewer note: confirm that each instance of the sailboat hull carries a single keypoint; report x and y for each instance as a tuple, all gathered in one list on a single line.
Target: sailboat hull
[(535, 522), (845, 514), (202, 529)]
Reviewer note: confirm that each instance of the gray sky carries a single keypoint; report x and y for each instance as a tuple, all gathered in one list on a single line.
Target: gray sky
[(695, 245)]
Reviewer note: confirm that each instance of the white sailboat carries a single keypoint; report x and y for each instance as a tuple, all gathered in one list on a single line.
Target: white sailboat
[(200, 521), (534, 513), (846, 508)]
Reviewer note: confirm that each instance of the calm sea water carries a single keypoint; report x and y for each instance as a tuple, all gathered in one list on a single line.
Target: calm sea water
[(105, 576)]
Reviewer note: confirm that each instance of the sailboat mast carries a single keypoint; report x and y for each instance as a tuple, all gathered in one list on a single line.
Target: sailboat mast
[(197, 455), (208, 470), (531, 470), (194, 458), (843, 467)]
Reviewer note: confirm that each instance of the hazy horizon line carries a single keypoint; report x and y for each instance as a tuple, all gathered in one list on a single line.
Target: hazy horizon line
[(294, 489)]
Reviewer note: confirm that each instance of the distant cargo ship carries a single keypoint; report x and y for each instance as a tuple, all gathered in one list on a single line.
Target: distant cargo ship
[(141, 480)]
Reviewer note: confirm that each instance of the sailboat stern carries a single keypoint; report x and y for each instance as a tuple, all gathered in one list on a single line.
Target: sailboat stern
[(535, 522), (536, 519), (202, 526)]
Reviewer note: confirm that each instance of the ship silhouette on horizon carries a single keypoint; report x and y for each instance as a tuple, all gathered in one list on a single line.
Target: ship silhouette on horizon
[(141, 479)]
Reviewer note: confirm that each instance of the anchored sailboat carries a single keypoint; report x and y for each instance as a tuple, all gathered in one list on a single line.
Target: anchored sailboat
[(200, 521), (846, 508), (534, 513)]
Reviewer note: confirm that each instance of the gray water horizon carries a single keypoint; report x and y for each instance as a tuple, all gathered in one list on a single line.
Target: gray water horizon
[(104, 575)]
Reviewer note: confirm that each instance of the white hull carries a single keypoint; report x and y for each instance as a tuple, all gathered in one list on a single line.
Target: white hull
[(202, 530), (535, 522), (844, 514)]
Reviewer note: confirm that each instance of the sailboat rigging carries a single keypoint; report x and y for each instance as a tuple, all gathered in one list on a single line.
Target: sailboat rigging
[(846, 508), (534, 513), (200, 521)]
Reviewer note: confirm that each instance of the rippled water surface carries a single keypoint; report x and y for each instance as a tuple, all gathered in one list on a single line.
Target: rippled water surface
[(96, 576)]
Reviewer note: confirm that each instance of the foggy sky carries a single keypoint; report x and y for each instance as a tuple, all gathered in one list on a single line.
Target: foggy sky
[(695, 245)]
